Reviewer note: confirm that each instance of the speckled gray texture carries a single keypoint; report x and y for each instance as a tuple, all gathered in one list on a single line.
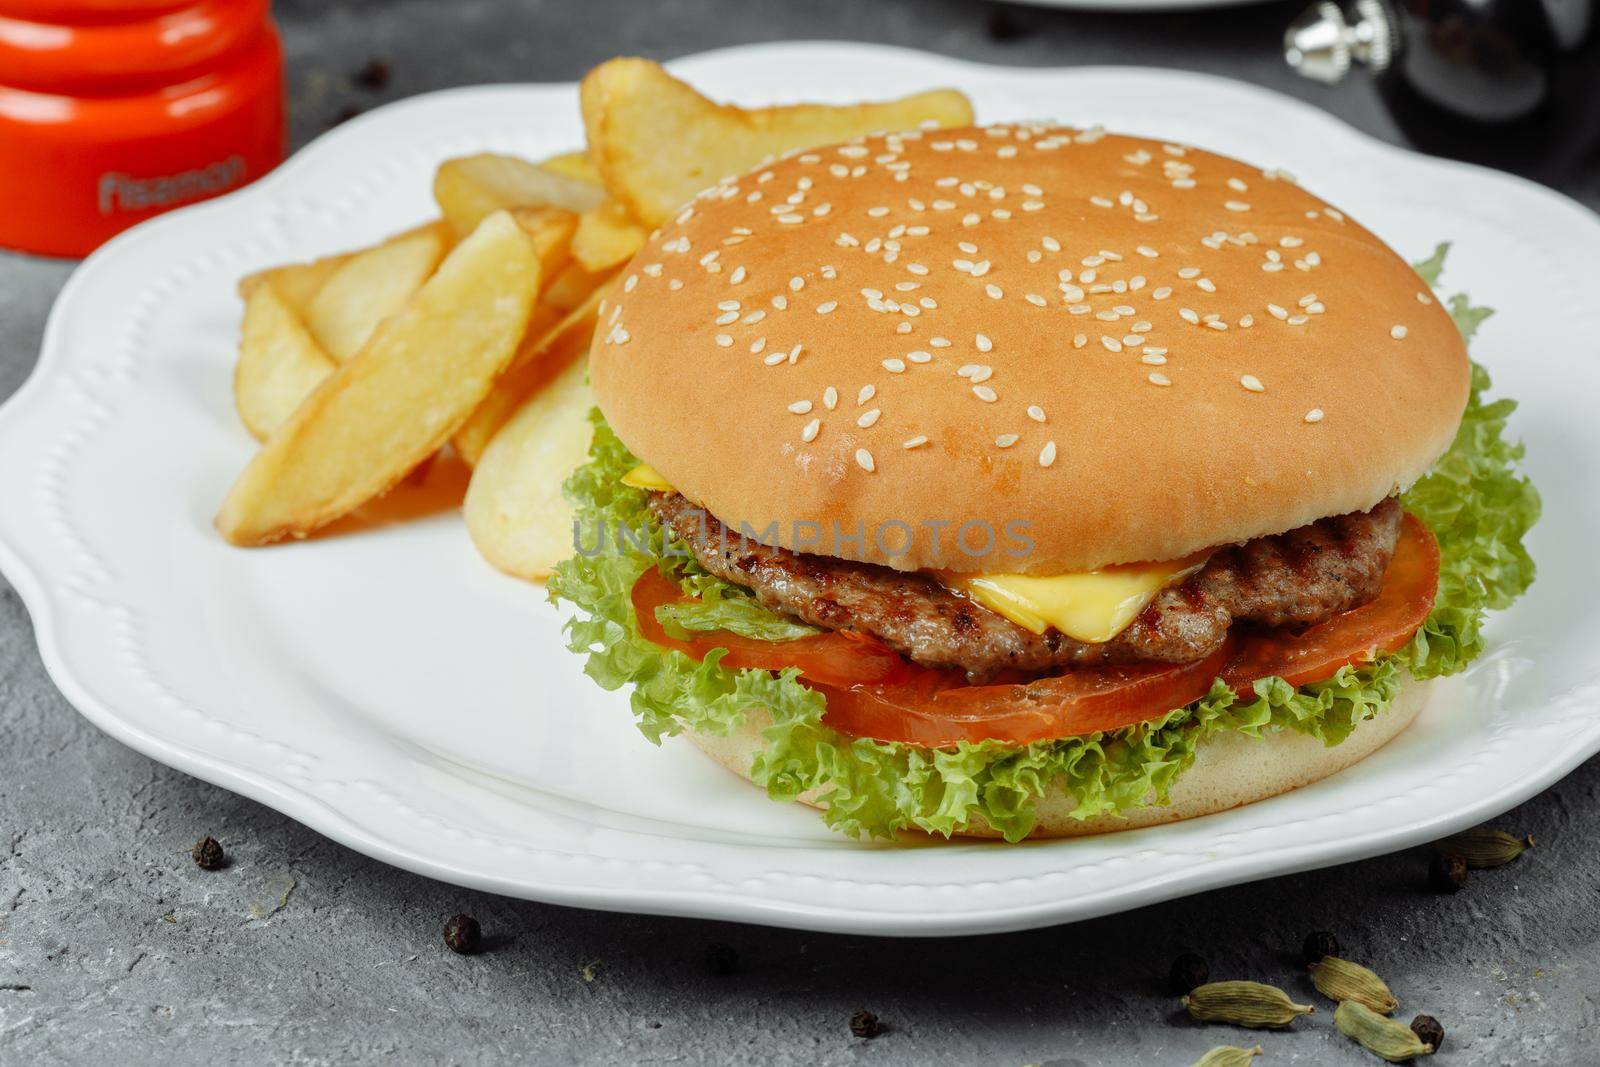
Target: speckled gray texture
[(115, 948)]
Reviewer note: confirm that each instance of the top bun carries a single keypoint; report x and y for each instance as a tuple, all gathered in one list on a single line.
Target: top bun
[(1137, 349)]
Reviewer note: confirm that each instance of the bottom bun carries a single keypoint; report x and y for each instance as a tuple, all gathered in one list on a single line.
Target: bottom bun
[(1230, 769)]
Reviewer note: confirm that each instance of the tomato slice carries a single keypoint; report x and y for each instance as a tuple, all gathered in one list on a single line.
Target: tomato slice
[(873, 692), (936, 712), (1359, 635), (833, 657)]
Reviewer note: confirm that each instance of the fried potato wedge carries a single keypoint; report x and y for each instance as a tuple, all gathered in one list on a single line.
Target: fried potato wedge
[(550, 229), (574, 165), (514, 509), (389, 408), (280, 363), (657, 142), (607, 237), (297, 283), (469, 188), (536, 362), (572, 286), (372, 285)]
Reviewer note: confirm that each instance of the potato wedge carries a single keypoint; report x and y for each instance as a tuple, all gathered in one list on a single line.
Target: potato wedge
[(536, 362), (657, 142), (297, 283), (469, 188), (551, 230), (280, 363), (371, 286), (572, 286), (607, 237), (573, 165), (399, 399), (514, 509)]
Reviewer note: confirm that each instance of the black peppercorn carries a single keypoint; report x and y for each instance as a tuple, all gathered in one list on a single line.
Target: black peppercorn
[(722, 960), (374, 76), (1188, 971), (1446, 873), (1428, 1030), (1319, 943), (208, 854), (865, 1024), (463, 934)]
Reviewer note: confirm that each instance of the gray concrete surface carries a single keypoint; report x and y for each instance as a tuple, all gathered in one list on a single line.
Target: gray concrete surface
[(114, 948)]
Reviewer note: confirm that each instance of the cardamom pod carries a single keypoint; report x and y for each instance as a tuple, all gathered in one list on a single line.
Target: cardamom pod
[(1482, 848), (1228, 1056), (1378, 1034), (1250, 1004), (1339, 979)]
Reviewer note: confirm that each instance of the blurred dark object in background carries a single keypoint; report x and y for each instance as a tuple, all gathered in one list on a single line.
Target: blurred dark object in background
[(1509, 83)]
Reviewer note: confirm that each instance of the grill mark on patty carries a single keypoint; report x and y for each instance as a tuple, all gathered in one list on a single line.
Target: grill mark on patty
[(1300, 577)]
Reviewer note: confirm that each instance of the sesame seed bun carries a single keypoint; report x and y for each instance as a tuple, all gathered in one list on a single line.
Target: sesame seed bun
[(1136, 349), (1230, 769)]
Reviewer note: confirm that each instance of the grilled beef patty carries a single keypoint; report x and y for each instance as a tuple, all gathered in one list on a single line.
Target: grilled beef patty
[(1303, 576)]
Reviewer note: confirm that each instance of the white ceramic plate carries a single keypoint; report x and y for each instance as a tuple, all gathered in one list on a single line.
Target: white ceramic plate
[(390, 690)]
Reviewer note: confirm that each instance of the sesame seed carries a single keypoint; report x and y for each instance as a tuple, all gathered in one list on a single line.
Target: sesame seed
[(794, 353), (772, 359), (1162, 293), (1216, 324), (1298, 320), (914, 442), (830, 398), (1236, 205), (675, 284), (1314, 415), (1156, 360), (737, 276), (894, 366), (939, 342), (864, 460), (1236, 185), (916, 268), (1424, 298), (632, 282), (1080, 340), (994, 291), (1189, 272), (868, 417), (867, 393), (1252, 383), (724, 340), (1246, 321), (985, 394), (983, 343), (1147, 252), (1035, 412), (920, 356), (1189, 315), (800, 407), (754, 317), (757, 345), (1005, 440), (1047, 454), (1398, 333), (1050, 244), (796, 284), (1206, 285), (1277, 312), (826, 306), (809, 434), (1111, 343), (1157, 378)]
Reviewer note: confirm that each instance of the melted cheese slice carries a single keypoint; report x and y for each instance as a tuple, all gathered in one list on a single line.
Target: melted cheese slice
[(1093, 607), (644, 476)]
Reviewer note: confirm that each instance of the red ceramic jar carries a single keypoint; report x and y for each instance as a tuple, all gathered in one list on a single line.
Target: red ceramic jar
[(112, 111)]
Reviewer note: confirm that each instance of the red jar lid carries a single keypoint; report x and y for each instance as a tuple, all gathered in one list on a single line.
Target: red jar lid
[(108, 56)]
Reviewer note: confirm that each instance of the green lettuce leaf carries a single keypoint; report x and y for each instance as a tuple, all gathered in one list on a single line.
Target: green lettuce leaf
[(1473, 499), (736, 614)]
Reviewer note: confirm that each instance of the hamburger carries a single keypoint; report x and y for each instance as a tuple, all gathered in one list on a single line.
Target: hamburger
[(1030, 480)]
